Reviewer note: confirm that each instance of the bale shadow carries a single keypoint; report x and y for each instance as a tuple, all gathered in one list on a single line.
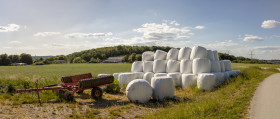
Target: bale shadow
[(164, 103), (104, 103)]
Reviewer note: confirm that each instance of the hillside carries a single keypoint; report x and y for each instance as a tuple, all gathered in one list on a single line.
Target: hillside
[(129, 53), (105, 52)]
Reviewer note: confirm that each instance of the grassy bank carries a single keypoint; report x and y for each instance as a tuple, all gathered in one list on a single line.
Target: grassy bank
[(228, 101)]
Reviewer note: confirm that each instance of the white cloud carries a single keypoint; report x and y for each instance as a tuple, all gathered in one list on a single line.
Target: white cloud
[(252, 38), (270, 24), (154, 31), (14, 42), (9, 28), (277, 36), (55, 44), (220, 45), (88, 35), (174, 23), (268, 48), (45, 34), (160, 34), (199, 27)]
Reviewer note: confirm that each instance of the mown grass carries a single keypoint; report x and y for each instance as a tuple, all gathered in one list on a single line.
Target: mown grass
[(227, 101), (242, 65)]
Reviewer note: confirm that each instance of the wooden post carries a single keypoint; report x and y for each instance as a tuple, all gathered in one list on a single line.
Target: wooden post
[(38, 93)]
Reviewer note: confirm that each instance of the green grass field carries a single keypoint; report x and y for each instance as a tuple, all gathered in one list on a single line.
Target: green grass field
[(228, 101), (59, 70), (51, 74)]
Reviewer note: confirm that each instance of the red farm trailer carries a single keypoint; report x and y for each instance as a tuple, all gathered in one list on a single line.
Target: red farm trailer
[(76, 84)]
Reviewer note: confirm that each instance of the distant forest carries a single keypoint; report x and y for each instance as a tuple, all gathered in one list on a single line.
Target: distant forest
[(130, 54), (97, 55)]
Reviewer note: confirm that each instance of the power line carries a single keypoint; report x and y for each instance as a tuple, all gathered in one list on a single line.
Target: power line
[(251, 53)]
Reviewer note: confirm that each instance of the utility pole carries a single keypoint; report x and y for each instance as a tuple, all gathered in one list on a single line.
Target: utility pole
[(251, 54)]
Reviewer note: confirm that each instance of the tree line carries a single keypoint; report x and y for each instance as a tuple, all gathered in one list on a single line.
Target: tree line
[(97, 55), (7, 60), (129, 53), (239, 59)]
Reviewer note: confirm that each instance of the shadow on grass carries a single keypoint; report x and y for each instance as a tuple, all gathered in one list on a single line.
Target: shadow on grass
[(104, 103)]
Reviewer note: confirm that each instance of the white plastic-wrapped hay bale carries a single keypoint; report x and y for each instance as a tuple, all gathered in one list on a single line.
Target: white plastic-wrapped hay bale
[(139, 91), (233, 73), (173, 66), (99, 75), (176, 77), (222, 66), (186, 66), (139, 75), (215, 66), (148, 66), (162, 88), (201, 65), (206, 81), (216, 55), (159, 66), (160, 55), (172, 54), (227, 64), (160, 74), (237, 72), (125, 78), (188, 80), (220, 77), (184, 53), (198, 52), (148, 76), (210, 55), (116, 75), (226, 76), (137, 66), (148, 56)]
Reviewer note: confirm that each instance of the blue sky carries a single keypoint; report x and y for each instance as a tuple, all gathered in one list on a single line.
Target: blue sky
[(62, 27)]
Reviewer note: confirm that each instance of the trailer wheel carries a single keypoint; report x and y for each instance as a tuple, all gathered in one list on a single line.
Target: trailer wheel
[(68, 96), (96, 93), (80, 92)]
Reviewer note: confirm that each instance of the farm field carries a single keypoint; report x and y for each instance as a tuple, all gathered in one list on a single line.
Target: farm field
[(232, 99)]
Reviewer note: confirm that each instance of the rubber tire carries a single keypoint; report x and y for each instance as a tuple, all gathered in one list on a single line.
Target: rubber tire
[(68, 96), (80, 92), (96, 93)]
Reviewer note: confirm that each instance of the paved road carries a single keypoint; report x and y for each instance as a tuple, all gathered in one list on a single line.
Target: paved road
[(266, 101)]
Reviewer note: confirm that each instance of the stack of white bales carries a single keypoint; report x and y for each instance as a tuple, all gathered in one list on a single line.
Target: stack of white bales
[(187, 67)]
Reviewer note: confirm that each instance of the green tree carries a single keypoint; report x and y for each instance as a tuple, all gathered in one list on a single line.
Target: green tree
[(98, 60), (132, 57), (125, 58), (93, 60), (5, 60), (79, 60), (14, 58), (61, 57), (26, 58), (46, 61), (138, 57)]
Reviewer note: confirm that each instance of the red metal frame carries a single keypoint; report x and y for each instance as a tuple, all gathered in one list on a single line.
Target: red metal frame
[(69, 86)]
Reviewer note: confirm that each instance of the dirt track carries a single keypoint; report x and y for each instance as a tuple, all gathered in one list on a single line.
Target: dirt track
[(266, 101)]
